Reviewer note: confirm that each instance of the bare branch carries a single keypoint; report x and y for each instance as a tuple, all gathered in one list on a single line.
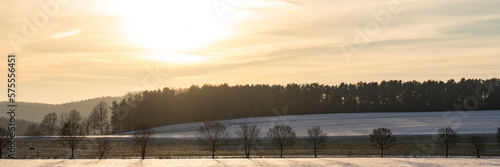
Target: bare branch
[(382, 138), (141, 139), (281, 137), (317, 138), (448, 138), (214, 133), (249, 136)]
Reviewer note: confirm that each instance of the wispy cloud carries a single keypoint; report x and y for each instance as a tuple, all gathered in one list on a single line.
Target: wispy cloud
[(66, 34)]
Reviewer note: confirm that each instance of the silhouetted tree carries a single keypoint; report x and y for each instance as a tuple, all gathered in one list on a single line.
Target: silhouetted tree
[(98, 118), (4, 139), (72, 132), (448, 138), (33, 130), (103, 144), (214, 134), (477, 143), (117, 111), (498, 135), (142, 139), (281, 137), (72, 116), (317, 138), (87, 126), (49, 124), (382, 138), (249, 137)]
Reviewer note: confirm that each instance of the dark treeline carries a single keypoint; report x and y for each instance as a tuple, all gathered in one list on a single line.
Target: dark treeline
[(218, 102)]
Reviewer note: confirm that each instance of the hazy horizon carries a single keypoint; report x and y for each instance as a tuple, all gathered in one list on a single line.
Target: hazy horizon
[(95, 48)]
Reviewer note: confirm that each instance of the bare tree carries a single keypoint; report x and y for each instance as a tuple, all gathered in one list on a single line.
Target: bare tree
[(49, 124), (214, 133), (103, 144), (72, 116), (281, 137), (249, 136), (99, 117), (382, 138), (448, 138), (317, 138), (73, 133), (142, 138), (498, 136), (477, 142), (87, 126), (33, 130), (4, 139)]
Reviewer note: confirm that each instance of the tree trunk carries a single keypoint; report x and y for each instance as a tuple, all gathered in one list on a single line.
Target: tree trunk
[(381, 152), (281, 153), (248, 153), (446, 152), (213, 151), (72, 153), (143, 153)]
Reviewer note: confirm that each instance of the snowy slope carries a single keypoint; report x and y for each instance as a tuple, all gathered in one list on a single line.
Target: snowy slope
[(352, 124)]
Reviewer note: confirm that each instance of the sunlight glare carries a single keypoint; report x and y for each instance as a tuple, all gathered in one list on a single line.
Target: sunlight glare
[(171, 26)]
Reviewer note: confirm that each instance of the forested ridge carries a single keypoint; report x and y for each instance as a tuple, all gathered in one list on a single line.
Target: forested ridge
[(219, 102)]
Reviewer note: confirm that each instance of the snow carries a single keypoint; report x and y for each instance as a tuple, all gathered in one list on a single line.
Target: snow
[(374, 162), (354, 124)]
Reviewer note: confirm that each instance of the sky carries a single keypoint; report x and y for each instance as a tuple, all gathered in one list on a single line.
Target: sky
[(81, 49)]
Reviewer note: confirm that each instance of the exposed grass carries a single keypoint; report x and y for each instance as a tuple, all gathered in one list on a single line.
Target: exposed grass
[(353, 146)]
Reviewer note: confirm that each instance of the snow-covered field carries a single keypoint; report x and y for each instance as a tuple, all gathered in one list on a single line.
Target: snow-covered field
[(353, 124), (372, 162)]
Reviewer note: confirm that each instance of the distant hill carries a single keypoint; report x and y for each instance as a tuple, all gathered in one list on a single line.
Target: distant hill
[(21, 124), (36, 111)]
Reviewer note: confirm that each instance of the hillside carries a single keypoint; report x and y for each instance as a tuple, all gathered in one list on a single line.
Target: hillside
[(36, 111), (21, 124), (354, 124)]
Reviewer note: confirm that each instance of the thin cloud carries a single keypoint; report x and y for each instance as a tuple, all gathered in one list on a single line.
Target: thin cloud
[(66, 34)]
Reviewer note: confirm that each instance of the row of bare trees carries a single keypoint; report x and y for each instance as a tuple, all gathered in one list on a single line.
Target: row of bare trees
[(97, 123), (215, 134), (382, 138), (73, 130)]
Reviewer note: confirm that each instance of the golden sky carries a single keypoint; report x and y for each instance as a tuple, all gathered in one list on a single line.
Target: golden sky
[(78, 49)]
